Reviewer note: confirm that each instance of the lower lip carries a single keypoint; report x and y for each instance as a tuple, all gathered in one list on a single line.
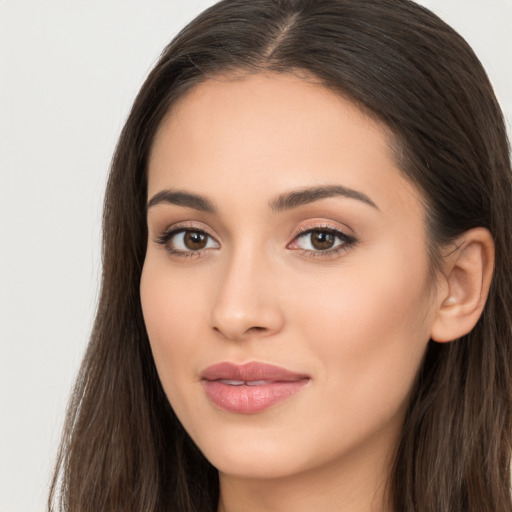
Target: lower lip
[(251, 399)]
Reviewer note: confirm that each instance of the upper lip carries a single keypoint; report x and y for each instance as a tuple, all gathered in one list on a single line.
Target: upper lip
[(252, 371)]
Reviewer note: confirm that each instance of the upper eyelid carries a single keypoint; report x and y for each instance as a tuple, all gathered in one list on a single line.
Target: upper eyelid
[(325, 225), (345, 234), (189, 226), (303, 230), (165, 237), (336, 231)]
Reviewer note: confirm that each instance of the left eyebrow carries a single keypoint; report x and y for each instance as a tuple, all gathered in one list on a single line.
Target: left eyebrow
[(304, 196)]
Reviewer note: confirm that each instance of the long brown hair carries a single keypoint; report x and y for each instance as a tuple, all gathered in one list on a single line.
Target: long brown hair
[(123, 448)]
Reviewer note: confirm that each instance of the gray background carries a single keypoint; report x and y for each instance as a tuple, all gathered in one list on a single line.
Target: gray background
[(69, 70)]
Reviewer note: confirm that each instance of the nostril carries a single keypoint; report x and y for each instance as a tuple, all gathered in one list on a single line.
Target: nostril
[(251, 331), (256, 329)]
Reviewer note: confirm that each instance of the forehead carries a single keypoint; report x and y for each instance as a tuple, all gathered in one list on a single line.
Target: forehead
[(263, 133)]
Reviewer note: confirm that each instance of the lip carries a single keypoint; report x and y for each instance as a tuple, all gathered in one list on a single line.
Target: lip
[(251, 387)]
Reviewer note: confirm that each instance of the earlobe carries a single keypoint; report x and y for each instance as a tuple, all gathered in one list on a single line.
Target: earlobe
[(466, 277)]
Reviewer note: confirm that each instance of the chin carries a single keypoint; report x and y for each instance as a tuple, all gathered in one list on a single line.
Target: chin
[(244, 456), (255, 466)]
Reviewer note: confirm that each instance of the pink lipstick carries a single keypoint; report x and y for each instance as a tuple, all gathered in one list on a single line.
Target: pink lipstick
[(250, 388)]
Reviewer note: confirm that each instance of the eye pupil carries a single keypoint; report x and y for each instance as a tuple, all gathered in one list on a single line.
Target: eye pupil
[(322, 240), (195, 240)]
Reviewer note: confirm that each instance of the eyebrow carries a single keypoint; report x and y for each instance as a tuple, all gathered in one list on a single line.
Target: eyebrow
[(303, 196), (286, 201), (181, 198)]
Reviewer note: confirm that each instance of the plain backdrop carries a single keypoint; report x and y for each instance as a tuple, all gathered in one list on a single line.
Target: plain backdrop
[(69, 71)]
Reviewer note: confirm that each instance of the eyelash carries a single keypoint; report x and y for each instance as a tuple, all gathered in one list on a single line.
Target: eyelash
[(347, 241), (165, 238)]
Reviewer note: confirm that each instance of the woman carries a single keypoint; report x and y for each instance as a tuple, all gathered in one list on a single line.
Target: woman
[(307, 266)]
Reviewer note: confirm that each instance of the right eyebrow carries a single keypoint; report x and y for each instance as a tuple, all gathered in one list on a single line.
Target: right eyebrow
[(181, 198)]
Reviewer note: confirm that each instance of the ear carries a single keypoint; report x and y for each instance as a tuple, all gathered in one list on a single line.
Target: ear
[(463, 285)]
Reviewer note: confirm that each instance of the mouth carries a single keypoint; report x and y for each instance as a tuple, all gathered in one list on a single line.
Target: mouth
[(250, 388)]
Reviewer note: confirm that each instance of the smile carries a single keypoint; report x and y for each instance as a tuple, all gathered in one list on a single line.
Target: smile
[(250, 388)]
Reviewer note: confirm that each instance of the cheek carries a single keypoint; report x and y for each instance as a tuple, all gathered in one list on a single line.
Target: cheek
[(171, 313), (369, 327)]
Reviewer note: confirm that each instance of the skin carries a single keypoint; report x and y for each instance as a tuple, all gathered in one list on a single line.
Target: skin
[(357, 321)]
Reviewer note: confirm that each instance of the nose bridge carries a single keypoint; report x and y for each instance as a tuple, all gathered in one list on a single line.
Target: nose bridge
[(246, 303)]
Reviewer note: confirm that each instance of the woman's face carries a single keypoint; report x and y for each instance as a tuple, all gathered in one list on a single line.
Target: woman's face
[(282, 234)]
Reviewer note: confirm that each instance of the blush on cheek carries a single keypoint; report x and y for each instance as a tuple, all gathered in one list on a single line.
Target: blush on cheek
[(371, 327)]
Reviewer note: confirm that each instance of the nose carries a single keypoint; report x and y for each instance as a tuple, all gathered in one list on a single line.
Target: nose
[(246, 304)]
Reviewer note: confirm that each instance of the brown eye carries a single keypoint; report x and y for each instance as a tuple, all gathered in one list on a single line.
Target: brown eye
[(187, 241), (322, 240), (195, 240)]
